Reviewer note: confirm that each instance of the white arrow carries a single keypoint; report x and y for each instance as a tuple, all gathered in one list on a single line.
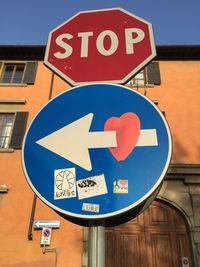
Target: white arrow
[(147, 137), (73, 141), (41, 224)]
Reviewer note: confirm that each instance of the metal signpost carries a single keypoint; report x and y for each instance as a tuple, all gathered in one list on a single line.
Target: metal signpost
[(97, 154)]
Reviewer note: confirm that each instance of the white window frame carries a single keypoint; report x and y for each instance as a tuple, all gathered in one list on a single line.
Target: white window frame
[(6, 129), (139, 80), (14, 64)]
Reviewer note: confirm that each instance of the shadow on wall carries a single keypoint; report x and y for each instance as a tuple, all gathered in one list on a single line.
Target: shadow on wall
[(179, 152)]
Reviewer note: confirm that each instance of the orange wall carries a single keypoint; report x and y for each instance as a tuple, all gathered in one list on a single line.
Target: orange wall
[(179, 97), (15, 209)]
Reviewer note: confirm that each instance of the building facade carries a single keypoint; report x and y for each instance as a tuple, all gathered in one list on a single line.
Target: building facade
[(167, 233)]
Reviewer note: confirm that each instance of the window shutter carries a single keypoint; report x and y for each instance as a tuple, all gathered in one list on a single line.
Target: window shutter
[(30, 72), (0, 70), (19, 129), (153, 73)]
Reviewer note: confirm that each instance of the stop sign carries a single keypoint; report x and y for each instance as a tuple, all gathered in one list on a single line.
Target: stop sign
[(109, 45)]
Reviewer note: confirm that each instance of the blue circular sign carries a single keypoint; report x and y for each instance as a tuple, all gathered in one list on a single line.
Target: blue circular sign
[(46, 233), (97, 151)]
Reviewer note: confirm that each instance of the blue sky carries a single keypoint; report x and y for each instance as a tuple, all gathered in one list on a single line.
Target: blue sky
[(28, 22)]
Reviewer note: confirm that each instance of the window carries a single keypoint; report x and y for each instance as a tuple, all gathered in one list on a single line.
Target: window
[(150, 75), (6, 125), (13, 73), (12, 129), (138, 80), (18, 73)]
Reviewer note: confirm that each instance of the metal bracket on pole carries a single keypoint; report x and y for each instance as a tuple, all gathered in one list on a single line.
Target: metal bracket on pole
[(30, 234), (45, 249)]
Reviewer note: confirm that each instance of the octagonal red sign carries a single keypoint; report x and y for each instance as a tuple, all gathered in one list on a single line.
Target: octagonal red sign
[(108, 45)]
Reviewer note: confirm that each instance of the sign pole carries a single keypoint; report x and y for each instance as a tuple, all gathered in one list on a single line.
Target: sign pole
[(96, 246)]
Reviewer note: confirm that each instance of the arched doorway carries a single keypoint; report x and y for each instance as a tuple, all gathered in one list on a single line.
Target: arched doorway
[(156, 238)]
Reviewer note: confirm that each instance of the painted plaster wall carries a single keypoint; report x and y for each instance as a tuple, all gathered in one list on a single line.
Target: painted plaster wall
[(179, 98), (15, 207)]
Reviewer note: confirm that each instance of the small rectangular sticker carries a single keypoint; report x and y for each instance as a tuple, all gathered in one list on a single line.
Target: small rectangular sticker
[(64, 183), (120, 186), (91, 186), (91, 207)]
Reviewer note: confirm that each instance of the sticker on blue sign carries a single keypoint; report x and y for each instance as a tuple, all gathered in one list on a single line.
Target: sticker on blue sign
[(91, 186), (91, 207), (64, 183), (120, 186)]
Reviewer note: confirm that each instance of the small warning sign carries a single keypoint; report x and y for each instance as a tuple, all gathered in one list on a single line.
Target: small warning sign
[(46, 236)]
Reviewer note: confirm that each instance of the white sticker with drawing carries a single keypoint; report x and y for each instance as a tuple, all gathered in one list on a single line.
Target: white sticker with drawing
[(91, 186), (64, 183)]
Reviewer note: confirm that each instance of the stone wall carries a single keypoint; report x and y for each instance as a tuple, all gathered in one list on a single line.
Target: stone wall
[(181, 188)]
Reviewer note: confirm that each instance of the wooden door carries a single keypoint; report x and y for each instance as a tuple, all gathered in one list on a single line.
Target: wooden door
[(156, 238)]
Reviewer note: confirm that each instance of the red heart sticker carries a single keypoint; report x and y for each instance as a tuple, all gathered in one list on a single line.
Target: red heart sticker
[(127, 129), (123, 182)]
